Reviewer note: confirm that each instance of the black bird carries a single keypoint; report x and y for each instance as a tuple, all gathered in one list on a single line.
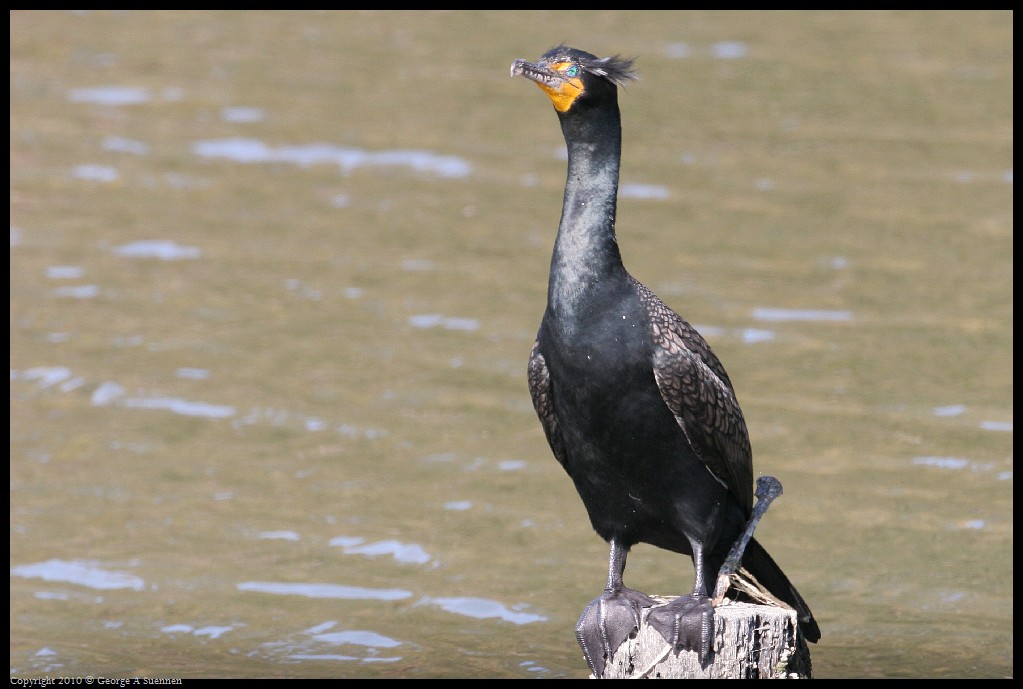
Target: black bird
[(635, 406)]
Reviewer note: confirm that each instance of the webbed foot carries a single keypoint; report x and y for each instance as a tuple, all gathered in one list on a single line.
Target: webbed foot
[(607, 622), (687, 624)]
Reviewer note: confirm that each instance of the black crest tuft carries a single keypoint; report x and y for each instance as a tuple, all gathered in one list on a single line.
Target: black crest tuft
[(615, 69)]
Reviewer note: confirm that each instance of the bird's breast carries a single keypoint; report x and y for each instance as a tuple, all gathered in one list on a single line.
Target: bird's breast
[(600, 361)]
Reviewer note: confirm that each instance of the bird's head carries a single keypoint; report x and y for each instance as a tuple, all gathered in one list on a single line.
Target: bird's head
[(570, 76)]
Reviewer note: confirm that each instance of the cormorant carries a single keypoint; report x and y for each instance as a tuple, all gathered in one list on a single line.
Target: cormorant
[(635, 406)]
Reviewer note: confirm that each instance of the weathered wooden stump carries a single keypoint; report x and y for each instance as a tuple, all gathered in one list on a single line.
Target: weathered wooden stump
[(750, 641)]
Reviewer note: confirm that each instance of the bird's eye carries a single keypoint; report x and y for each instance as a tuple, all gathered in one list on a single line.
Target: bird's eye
[(572, 71)]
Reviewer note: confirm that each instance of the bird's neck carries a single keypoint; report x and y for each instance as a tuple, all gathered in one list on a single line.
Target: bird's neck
[(586, 253)]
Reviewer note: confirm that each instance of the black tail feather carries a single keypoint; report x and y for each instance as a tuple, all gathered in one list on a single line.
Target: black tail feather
[(770, 576)]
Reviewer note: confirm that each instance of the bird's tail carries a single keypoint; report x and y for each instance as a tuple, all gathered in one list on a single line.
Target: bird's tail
[(767, 575)]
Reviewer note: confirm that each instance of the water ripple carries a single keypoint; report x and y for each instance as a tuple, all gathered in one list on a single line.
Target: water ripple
[(324, 591), (358, 637), (958, 463), (481, 608), (729, 50), (157, 248), (211, 631), (109, 95), (242, 114), (96, 173), (942, 462), (643, 191), (406, 553), (64, 272), (81, 572), (279, 535), (180, 406), (77, 291), (123, 145), (46, 375), (255, 151), (772, 314), (434, 320)]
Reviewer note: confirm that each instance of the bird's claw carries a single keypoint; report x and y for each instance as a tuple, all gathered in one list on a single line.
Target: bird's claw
[(687, 624), (606, 623)]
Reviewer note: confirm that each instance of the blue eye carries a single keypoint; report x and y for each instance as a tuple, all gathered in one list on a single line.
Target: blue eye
[(572, 71)]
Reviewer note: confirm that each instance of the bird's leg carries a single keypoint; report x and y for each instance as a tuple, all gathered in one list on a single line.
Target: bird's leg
[(768, 488), (687, 623), (613, 617)]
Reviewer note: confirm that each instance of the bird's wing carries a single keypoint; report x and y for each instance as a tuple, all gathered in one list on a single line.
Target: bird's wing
[(541, 392), (694, 385)]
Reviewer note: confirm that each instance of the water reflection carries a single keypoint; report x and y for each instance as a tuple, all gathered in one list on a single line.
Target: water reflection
[(79, 572), (77, 291), (242, 114), (481, 608), (113, 393), (405, 553), (356, 636), (313, 644), (324, 591), (777, 314), (721, 50), (108, 392), (643, 191), (109, 95), (729, 50), (209, 631), (96, 173), (279, 535), (960, 463), (64, 272), (256, 151), (181, 406), (436, 320), (165, 250), (122, 145), (49, 376), (745, 335)]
